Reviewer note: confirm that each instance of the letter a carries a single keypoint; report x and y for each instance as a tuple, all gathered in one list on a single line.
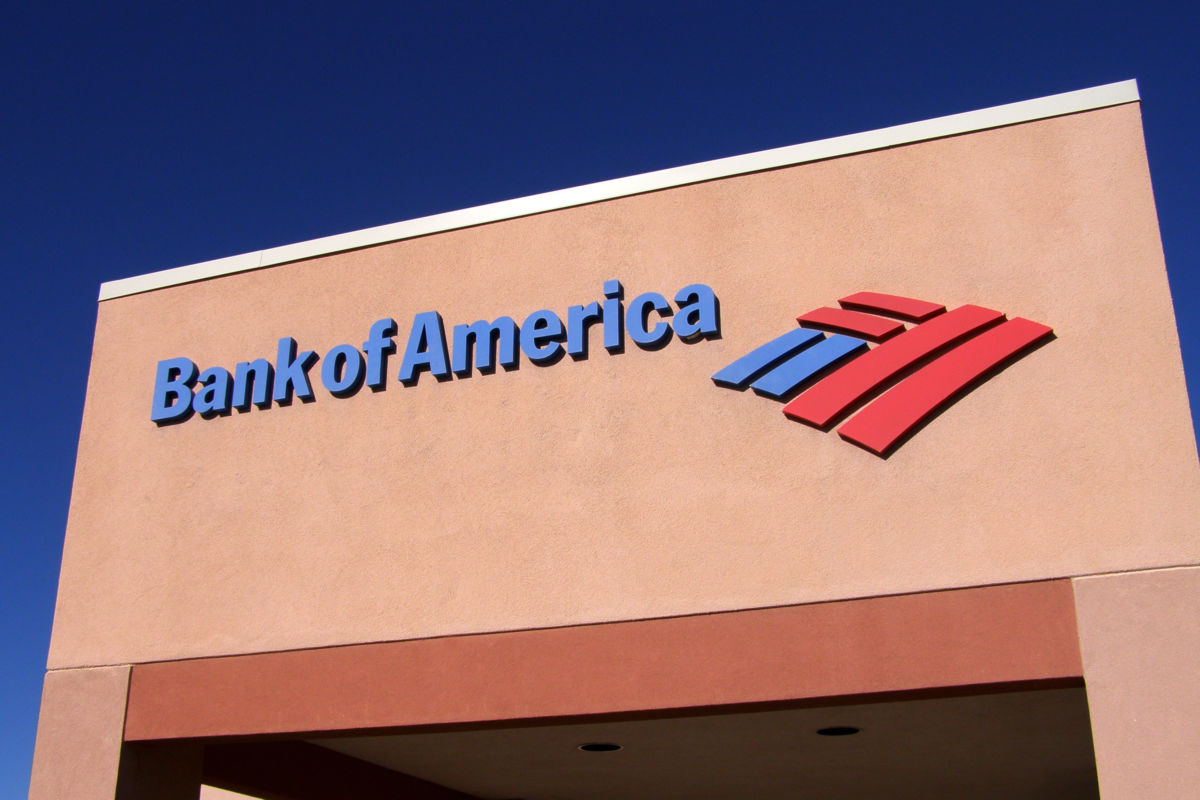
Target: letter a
[(426, 348), (699, 315)]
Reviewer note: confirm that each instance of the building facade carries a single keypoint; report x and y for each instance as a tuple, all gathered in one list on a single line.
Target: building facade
[(859, 468)]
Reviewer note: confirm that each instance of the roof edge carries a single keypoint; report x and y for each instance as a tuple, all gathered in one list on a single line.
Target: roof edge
[(1055, 105)]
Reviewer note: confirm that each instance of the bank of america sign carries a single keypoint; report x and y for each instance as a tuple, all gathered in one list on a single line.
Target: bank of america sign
[(894, 360)]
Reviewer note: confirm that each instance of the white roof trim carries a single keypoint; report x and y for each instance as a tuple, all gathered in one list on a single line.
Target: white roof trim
[(1041, 108)]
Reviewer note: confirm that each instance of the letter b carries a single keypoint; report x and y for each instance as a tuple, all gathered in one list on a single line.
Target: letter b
[(173, 390)]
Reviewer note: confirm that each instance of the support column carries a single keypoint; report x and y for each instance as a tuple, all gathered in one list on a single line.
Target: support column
[(1139, 634), (79, 753), (78, 748)]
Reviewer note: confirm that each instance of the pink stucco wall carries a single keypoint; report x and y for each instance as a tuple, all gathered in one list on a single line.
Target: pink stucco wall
[(629, 486)]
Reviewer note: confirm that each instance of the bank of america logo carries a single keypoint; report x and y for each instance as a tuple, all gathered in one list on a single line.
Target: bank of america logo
[(894, 360)]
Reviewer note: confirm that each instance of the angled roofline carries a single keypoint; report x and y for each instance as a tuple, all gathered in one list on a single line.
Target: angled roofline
[(998, 116)]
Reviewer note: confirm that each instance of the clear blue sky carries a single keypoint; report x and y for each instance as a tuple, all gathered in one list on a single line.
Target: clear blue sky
[(141, 137)]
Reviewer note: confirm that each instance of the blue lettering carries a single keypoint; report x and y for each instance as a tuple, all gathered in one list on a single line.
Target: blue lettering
[(486, 338), (699, 314), (426, 348), (180, 389), (252, 382), (579, 319), (173, 390), (378, 346), (291, 373), (637, 317), (614, 336), (342, 371), (541, 334), (212, 397)]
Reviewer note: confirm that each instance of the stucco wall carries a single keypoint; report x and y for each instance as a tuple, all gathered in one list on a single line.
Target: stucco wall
[(629, 486)]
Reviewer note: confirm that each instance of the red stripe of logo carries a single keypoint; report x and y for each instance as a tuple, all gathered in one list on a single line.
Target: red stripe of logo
[(838, 394), (885, 422)]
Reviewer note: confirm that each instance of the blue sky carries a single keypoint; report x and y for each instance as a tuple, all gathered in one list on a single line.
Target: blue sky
[(140, 137)]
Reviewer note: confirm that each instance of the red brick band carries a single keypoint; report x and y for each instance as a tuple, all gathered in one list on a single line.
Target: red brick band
[(964, 637)]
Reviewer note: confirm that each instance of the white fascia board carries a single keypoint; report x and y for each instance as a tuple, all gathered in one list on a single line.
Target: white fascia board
[(998, 116)]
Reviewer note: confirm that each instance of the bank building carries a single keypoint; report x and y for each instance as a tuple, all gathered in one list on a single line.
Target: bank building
[(860, 468)]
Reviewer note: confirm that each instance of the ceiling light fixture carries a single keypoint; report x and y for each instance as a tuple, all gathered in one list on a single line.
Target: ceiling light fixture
[(837, 730)]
